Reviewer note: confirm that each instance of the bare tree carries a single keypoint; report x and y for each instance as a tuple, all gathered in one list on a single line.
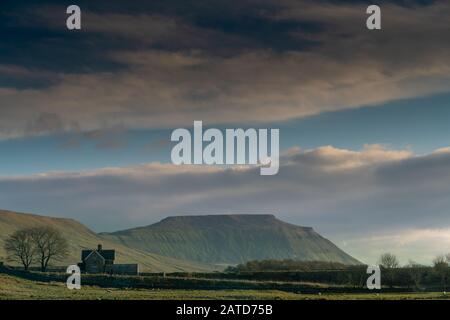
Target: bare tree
[(415, 272), (440, 265), (440, 261), (447, 257), (389, 261), (20, 248), (50, 244)]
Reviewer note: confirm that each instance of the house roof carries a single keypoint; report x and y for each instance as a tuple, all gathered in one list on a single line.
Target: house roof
[(106, 254), (94, 252)]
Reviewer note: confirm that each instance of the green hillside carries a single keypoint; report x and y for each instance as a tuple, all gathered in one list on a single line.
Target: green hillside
[(80, 237), (231, 239)]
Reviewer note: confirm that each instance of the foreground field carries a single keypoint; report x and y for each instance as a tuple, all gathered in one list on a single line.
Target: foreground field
[(17, 288)]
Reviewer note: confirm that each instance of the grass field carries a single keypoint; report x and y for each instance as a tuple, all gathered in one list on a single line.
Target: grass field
[(17, 288)]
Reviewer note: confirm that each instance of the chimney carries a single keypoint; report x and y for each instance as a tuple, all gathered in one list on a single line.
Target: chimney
[(99, 247)]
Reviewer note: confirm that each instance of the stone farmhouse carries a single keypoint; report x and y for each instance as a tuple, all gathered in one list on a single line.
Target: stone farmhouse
[(102, 261)]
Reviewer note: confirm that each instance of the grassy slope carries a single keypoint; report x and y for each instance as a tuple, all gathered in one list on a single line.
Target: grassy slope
[(17, 288), (231, 239), (80, 237)]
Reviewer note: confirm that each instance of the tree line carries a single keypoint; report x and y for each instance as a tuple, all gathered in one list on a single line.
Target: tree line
[(36, 245), (393, 274), (286, 265)]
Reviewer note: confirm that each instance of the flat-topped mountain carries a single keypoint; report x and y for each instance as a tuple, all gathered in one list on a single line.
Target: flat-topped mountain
[(230, 239)]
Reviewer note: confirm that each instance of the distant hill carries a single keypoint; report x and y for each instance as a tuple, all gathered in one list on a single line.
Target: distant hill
[(80, 237), (231, 239)]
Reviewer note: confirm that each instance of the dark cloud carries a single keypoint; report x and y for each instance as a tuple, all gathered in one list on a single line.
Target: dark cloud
[(165, 64), (218, 27)]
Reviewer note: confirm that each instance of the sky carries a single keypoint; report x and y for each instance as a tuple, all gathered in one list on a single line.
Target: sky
[(86, 116)]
